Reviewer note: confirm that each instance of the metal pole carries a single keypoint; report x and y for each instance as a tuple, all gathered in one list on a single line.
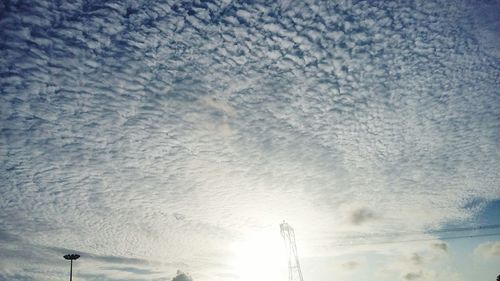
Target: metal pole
[(71, 258)]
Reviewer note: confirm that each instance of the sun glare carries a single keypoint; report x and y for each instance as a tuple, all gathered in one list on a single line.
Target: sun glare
[(260, 256)]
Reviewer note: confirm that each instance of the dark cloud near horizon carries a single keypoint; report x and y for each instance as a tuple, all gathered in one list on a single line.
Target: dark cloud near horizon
[(413, 275), (181, 276), (135, 270), (19, 277), (100, 258)]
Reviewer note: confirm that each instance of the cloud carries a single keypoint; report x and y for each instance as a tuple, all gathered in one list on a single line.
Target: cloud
[(134, 270), (6, 237), (417, 259), (118, 117), (440, 246), (21, 277), (100, 258), (488, 249), (420, 261), (350, 265), (181, 276), (218, 105), (362, 215), (105, 267), (179, 216), (412, 275)]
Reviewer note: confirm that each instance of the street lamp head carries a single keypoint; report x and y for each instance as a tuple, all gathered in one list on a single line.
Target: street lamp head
[(72, 256)]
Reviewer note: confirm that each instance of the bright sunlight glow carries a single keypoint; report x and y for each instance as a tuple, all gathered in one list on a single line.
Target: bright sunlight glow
[(260, 256)]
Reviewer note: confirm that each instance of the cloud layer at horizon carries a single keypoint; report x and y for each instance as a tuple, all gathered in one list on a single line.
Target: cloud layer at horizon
[(161, 131)]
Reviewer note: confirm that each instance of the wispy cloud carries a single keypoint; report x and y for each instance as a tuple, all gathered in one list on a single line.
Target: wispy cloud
[(350, 265), (420, 261), (488, 249)]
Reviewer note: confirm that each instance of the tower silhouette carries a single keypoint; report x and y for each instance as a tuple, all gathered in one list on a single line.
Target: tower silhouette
[(294, 272)]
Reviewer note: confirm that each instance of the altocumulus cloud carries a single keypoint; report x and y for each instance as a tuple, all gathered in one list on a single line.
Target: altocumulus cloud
[(140, 131), (418, 262)]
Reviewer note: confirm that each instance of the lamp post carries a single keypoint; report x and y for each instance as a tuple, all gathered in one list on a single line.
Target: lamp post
[(71, 257)]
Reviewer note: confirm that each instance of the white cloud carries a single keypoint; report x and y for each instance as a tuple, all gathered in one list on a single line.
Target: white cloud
[(488, 249), (418, 261)]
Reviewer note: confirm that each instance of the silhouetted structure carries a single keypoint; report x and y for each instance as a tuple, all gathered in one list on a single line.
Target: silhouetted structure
[(71, 257), (498, 278), (294, 272)]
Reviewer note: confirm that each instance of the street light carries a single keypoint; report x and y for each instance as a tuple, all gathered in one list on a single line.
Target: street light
[(71, 257)]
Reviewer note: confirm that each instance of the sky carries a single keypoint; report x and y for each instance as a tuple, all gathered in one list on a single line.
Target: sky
[(167, 140)]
